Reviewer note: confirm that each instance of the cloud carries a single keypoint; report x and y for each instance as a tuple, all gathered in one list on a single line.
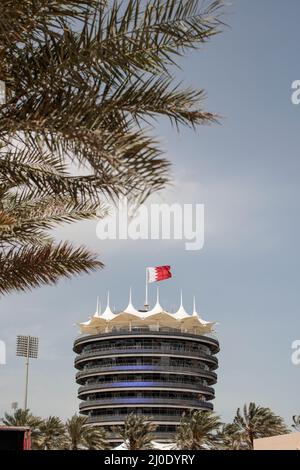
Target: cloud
[(238, 217)]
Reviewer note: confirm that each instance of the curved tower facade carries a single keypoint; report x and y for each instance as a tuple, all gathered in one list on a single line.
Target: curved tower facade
[(154, 363)]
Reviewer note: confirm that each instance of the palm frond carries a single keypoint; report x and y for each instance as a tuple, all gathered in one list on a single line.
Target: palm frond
[(27, 267), (32, 217), (82, 436), (85, 83), (255, 421), (136, 432), (198, 430), (21, 20), (122, 163)]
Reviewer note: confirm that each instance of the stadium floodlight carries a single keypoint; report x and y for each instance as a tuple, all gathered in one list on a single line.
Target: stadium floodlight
[(27, 346)]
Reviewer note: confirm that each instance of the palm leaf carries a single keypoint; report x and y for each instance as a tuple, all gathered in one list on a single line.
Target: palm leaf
[(85, 83), (27, 267)]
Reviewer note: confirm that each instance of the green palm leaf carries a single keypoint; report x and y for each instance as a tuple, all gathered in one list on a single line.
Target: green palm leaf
[(85, 83), (137, 432), (198, 430), (256, 422), (27, 267)]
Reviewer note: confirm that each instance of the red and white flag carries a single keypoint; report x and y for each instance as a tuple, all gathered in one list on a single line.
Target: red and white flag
[(159, 273)]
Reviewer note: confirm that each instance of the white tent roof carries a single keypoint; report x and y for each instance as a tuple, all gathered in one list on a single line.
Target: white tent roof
[(97, 314), (130, 308), (201, 321), (181, 313), (107, 315), (157, 315), (154, 445), (156, 309), (86, 323)]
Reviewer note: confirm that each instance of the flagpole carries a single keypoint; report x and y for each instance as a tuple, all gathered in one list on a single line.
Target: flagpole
[(146, 295)]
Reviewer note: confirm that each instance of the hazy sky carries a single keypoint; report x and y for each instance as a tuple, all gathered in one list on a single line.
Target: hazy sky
[(246, 172)]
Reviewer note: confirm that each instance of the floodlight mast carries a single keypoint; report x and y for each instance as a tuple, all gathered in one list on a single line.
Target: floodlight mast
[(26, 374), (27, 346)]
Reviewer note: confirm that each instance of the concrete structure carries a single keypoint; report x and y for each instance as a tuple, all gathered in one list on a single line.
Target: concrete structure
[(284, 442), (152, 362)]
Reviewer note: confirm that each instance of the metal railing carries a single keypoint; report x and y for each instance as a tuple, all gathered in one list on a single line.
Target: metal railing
[(137, 384), (146, 351), (134, 401), (119, 418), (145, 347), (145, 384), (133, 368), (209, 339), (163, 437)]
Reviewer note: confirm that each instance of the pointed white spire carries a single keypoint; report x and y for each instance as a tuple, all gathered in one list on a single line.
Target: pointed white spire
[(157, 307), (107, 314), (195, 314), (130, 296), (130, 308), (100, 322), (201, 321), (181, 313), (97, 314)]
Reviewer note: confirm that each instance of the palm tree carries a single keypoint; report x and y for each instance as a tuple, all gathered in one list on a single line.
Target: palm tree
[(255, 422), (29, 257), (136, 432), (84, 82), (95, 438), (124, 54), (197, 430), (296, 421), (82, 436), (52, 434), (24, 418), (230, 438)]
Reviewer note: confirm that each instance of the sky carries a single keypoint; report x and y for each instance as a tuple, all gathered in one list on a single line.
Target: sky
[(246, 172)]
